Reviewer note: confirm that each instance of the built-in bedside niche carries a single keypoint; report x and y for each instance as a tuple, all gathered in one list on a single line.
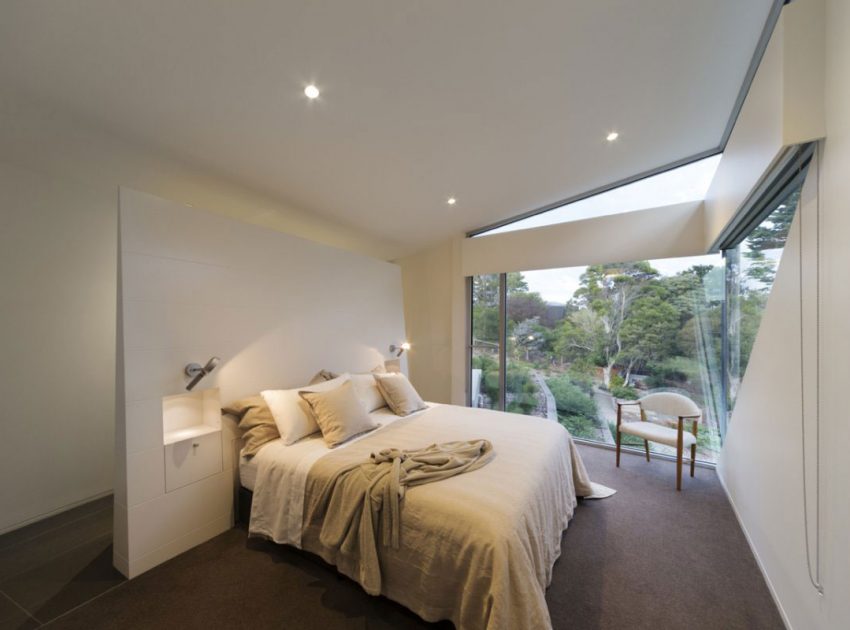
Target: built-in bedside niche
[(191, 428)]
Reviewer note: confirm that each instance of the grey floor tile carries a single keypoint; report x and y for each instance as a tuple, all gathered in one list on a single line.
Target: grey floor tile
[(33, 552), (12, 617), (52, 523), (65, 582)]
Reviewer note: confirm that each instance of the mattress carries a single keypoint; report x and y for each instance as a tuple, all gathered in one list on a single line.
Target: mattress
[(477, 548), (248, 469)]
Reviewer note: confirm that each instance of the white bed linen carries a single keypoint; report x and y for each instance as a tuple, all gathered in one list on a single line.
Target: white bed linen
[(278, 476), (248, 469)]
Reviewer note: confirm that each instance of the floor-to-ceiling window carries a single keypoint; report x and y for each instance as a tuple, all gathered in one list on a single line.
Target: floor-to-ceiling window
[(750, 271), (486, 342), (577, 339), (566, 344)]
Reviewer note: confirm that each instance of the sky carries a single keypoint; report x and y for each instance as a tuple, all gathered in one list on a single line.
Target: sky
[(558, 285)]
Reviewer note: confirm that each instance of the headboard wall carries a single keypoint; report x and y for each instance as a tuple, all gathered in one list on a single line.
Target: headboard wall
[(275, 308)]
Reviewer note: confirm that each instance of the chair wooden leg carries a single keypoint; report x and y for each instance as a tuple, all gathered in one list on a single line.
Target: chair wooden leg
[(693, 457), (646, 446), (694, 430), (618, 448), (679, 469), (680, 448)]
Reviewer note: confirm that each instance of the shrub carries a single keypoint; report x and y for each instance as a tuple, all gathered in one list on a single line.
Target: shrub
[(625, 392), (582, 375), (570, 399), (619, 389), (579, 426), (675, 370), (522, 391)]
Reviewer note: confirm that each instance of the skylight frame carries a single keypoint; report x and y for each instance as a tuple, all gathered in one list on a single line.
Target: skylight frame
[(486, 230)]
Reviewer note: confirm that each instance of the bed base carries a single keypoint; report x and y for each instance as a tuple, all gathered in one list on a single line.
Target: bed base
[(243, 507)]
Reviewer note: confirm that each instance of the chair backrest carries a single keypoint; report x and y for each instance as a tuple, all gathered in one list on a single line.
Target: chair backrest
[(669, 404)]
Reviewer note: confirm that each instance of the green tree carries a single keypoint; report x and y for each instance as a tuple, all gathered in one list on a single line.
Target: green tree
[(485, 325), (516, 282), (523, 305), (579, 337), (769, 234), (609, 291), (649, 333)]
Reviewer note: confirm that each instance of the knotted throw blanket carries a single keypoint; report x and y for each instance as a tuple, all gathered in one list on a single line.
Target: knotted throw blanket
[(365, 499)]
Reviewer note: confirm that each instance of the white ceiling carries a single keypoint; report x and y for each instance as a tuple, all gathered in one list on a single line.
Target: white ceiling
[(503, 104)]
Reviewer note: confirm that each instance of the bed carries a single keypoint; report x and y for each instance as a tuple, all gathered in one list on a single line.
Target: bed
[(477, 549)]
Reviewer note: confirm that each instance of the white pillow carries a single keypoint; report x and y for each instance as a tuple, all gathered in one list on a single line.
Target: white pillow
[(291, 413), (367, 391)]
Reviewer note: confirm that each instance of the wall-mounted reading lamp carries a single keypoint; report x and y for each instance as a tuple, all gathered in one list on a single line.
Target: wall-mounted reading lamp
[(196, 372), (399, 350)]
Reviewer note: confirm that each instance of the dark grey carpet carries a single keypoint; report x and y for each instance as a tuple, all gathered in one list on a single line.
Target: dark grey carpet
[(648, 557)]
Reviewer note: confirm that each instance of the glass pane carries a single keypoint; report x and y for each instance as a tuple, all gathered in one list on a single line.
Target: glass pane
[(526, 357), (484, 370), (750, 270), (580, 338), (679, 185)]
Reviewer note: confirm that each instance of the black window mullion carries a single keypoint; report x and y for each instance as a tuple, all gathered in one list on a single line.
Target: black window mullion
[(503, 328)]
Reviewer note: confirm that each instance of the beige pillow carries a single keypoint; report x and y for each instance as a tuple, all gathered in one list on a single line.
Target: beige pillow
[(400, 395), (255, 421), (339, 413), (292, 414)]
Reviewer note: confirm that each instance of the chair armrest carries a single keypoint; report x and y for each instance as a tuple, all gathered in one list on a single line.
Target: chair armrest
[(623, 403)]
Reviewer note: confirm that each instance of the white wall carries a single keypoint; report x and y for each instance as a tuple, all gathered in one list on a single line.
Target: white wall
[(57, 343), (784, 107), (761, 461), (615, 238), (428, 320), (835, 208), (275, 308), (59, 179)]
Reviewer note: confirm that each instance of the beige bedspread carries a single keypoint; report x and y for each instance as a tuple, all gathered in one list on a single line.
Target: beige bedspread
[(476, 548), (365, 498)]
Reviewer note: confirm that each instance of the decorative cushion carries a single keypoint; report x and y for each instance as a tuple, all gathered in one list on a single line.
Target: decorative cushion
[(292, 414), (657, 433), (256, 422), (400, 395), (339, 413)]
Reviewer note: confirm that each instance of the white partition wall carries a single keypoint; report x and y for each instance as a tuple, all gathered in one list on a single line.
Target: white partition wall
[(275, 308)]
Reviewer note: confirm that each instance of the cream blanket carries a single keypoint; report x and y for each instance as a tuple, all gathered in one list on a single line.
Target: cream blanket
[(476, 548), (365, 499)]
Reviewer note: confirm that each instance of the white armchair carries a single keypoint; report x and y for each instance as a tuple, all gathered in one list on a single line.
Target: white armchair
[(664, 404)]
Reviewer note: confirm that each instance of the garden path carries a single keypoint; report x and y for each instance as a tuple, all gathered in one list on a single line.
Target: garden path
[(606, 414), (551, 408)]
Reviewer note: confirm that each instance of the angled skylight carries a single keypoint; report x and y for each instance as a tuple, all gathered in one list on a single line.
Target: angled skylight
[(679, 185)]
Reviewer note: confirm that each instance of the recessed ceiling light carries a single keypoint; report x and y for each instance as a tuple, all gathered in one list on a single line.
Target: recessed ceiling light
[(612, 136), (451, 201), (311, 91)]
